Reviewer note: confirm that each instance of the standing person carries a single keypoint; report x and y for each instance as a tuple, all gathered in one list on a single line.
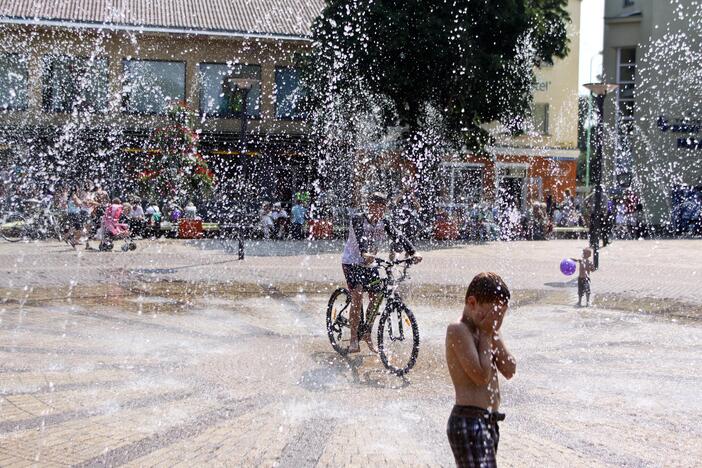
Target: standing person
[(101, 199), (539, 221), (136, 218), (406, 212), (550, 204), (87, 197), (475, 353), (568, 199), (299, 213), (366, 232), (639, 221), (153, 219), (74, 217), (585, 267), (126, 212), (264, 214), (620, 220), (607, 223)]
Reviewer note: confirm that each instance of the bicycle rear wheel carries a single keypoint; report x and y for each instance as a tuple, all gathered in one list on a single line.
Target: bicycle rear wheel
[(14, 228), (398, 338), (338, 327)]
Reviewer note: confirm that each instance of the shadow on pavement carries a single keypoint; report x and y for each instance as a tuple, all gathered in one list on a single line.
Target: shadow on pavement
[(334, 367), (288, 248), (563, 284)]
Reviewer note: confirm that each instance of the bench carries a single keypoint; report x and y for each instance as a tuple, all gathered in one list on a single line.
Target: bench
[(576, 232), (167, 226)]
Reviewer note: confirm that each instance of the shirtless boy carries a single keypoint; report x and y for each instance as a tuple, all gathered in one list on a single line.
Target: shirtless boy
[(475, 352)]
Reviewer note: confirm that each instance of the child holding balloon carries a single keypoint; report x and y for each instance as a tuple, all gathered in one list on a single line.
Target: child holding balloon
[(585, 268)]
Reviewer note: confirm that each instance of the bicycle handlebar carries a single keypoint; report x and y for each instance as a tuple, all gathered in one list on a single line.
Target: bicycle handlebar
[(390, 264)]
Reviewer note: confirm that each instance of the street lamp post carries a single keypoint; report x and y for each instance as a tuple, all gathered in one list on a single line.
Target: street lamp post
[(600, 91), (589, 119), (244, 85)]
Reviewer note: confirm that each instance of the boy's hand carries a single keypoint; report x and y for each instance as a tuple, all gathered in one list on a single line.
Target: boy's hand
[(490, 319), (368, 258), (486, 322), (416, 259)]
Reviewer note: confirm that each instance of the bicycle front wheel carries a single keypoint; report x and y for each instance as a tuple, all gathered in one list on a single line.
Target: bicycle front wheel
[(14, 228), (398, 338), (55, 227), (338, 326)]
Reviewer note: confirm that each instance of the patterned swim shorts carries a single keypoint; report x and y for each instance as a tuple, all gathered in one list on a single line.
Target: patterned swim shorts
[(474, 435)]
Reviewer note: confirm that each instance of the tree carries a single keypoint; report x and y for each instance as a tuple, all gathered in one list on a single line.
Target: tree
[(174, 170), (471, 60)]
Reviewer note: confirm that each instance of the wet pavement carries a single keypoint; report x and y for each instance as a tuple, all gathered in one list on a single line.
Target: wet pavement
[(144, 372), (667, 269)]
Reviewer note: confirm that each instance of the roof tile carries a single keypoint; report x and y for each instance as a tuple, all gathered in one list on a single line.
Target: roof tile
[(280, 17)]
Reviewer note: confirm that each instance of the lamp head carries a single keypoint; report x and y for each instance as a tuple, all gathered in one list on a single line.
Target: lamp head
[(241, 83), (601, 89)]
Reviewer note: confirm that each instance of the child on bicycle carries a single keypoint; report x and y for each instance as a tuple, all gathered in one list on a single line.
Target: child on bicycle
[(367, 231), (475, 353)]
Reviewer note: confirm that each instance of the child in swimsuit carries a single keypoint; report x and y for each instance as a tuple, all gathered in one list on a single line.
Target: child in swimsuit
[(475, 353)]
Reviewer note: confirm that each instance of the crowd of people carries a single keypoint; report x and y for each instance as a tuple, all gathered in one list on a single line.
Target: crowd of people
[(92, 215), (276, 223), (623, 216)]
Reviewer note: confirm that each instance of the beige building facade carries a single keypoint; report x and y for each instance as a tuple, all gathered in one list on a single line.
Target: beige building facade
[(653, 51), (518, 170)]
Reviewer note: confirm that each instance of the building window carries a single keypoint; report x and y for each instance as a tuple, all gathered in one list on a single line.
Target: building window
[(75, 83), (219, 94), (626, 79), (13, 82), (150, 86), (462, 183), (539, 115), (628, 3), (289, 94)]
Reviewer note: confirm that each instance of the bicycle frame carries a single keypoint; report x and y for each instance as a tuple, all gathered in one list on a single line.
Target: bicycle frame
[(389, 285)]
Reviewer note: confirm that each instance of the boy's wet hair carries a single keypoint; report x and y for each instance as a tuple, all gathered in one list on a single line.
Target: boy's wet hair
[(488, 288)]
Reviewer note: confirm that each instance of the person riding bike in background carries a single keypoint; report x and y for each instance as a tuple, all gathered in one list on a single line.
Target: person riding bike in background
[(367, 231)]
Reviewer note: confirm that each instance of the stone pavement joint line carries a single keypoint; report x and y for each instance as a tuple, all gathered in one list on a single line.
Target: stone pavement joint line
[(130, 452), (307, 445), (53, 419), (63, 387)]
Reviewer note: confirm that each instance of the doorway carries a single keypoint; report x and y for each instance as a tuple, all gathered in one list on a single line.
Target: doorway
[(511, 184)]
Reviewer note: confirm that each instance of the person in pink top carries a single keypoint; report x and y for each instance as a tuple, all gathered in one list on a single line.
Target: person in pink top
[(110, 221)]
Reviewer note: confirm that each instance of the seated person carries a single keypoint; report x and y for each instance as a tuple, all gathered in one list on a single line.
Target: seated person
[(280, 220), (190, 211)]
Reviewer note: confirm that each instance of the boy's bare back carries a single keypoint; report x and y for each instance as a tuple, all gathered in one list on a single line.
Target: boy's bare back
[(474, 385)]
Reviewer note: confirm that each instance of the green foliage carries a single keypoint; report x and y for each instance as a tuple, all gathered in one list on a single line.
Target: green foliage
[(472, 60)]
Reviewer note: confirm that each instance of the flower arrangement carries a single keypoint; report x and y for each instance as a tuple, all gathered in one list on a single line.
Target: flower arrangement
[(176, 170)]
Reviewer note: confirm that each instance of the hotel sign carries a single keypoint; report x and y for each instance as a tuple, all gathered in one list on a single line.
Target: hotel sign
[(541, 86), (683, 126)]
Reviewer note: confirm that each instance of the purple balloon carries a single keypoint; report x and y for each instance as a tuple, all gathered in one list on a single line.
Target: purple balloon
[(568, 266)]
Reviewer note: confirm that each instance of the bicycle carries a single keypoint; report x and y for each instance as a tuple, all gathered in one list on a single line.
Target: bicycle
[(35, 221), (396, 316)]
